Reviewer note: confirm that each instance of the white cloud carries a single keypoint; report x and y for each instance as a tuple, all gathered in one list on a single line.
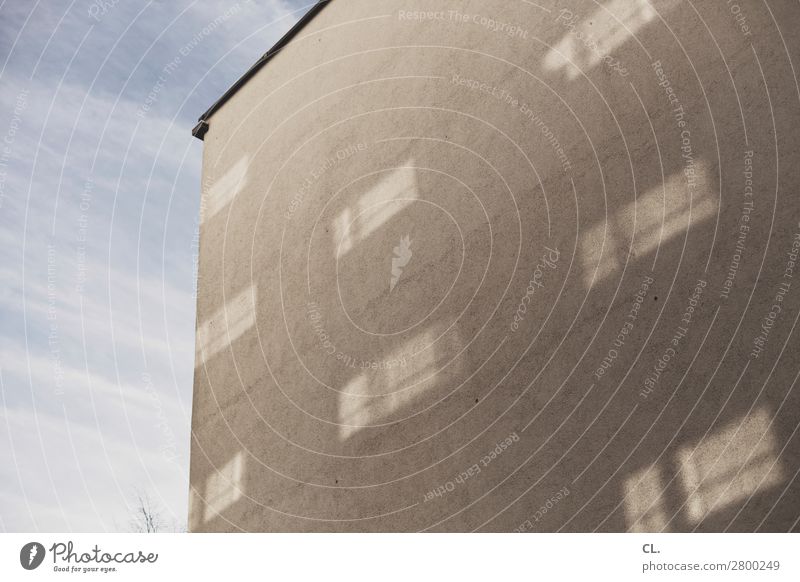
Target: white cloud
[(101, 405)]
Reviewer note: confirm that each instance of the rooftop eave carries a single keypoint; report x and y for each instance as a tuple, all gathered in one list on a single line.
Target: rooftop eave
[(201, 128)]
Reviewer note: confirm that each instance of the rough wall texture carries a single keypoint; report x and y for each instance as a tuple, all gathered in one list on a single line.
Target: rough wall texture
[(505, 266)]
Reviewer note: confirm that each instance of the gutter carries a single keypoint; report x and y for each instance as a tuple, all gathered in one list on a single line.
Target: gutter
[(201, 128)]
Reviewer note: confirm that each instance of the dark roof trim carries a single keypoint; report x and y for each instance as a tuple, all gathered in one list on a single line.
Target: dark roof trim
[(201, 128)]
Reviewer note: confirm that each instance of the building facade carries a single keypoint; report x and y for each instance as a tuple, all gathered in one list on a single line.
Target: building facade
[(480, 266)]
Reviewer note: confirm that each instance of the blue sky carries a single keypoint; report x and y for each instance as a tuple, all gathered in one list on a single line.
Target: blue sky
[(99, 194)]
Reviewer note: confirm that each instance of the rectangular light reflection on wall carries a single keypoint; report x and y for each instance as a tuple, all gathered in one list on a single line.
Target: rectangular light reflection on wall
[(393, 192), (729, 466), (224, 487), (226, 325), (219, 193), (597, 37), (356, 407), (661, 214), (644, 503)]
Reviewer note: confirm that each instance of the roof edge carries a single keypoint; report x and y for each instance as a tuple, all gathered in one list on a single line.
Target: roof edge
[(201, 128)]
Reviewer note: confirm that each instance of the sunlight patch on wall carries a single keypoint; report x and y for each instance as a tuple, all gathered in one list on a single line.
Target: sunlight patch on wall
[(359, 405), (226, 325), (662, 214), (374, 208), (644, 501), (729, 466), (195, 503), (593, 39), (224, 487), (217, 194)]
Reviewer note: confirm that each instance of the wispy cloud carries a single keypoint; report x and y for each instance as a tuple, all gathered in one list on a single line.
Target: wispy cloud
[(98, 206)]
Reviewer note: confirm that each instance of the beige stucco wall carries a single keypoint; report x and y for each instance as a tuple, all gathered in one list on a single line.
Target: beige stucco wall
[(553, 202)]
